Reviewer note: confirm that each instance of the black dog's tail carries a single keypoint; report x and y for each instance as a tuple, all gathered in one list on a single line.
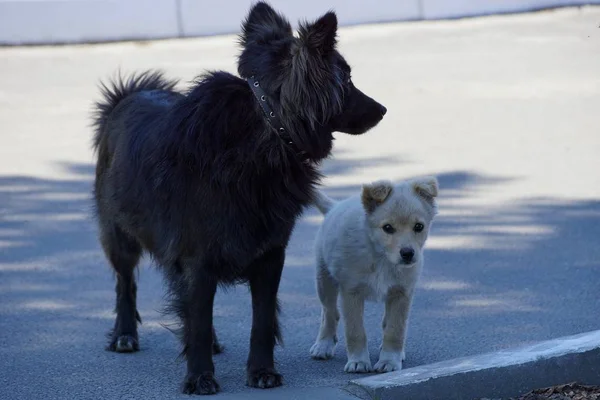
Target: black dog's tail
[(118, 89)]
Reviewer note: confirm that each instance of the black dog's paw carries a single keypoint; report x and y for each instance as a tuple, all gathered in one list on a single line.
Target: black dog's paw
[(203, 384), (264, 378), (123, 344)]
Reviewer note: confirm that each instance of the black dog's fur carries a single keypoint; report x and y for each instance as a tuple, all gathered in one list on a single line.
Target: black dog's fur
[(204, 184)]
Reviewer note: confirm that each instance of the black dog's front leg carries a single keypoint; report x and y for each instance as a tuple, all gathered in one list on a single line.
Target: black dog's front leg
[(265, 275), (198, 335)]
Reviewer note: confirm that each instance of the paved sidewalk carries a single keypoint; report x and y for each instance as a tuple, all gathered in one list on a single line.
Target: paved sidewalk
[(504, 110)]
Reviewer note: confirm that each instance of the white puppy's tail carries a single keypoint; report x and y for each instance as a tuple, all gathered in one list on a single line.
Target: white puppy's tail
[(323, 202)]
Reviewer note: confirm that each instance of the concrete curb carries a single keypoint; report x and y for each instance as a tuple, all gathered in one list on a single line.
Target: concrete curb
[(501, 374)]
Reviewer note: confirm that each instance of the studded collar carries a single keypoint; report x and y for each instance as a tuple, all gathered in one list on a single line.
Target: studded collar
[(272, 118)]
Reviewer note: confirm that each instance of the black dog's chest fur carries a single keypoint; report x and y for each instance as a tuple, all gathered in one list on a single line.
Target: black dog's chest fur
[(201, 178)]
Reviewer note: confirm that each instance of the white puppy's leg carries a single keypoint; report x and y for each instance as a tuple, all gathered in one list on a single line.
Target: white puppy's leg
[(397, 307), (356, 338), (327, 289)]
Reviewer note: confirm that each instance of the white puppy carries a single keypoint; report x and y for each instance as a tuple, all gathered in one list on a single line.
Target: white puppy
[(370, 247)]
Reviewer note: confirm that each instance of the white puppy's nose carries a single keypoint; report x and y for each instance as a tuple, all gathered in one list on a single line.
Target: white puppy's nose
[(407, 254)]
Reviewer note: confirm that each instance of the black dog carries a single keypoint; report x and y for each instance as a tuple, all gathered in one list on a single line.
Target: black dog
[(211, 182)]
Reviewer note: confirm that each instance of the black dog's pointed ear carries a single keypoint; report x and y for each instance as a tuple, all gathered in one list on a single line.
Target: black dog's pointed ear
[(264, 23), (320, 35)]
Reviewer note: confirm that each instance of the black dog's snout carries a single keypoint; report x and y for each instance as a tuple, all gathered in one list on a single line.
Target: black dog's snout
[(407, 254), (383, 111)]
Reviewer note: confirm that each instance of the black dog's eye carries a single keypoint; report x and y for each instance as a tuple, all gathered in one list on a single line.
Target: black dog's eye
[(387, 228), (418, 227)]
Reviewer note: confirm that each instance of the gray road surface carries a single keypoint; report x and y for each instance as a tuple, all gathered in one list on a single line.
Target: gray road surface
[(504, 110)]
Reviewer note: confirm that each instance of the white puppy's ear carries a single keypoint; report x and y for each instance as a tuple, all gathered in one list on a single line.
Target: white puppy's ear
[(374, 194), (426, 188)]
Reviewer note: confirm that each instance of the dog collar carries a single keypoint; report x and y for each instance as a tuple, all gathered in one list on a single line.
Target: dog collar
[(261, 96), (272, 118)]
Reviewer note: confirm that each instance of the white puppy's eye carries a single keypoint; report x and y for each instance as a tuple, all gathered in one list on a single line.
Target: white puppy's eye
[(418, 227), (387, 228)]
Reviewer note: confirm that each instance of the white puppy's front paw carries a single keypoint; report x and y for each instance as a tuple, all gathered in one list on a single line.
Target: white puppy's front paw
[(323, 349), (358, 367), (390, 361), (388, 366)]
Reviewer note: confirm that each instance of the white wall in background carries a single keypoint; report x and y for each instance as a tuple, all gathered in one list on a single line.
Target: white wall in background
[(49, 21), (60, 21), (434, 9)]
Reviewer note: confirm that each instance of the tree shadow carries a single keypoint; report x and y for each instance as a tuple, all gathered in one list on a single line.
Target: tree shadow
[(495, 276)]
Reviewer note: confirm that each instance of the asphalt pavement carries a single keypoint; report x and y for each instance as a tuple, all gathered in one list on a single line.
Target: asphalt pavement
[(503, 110)]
